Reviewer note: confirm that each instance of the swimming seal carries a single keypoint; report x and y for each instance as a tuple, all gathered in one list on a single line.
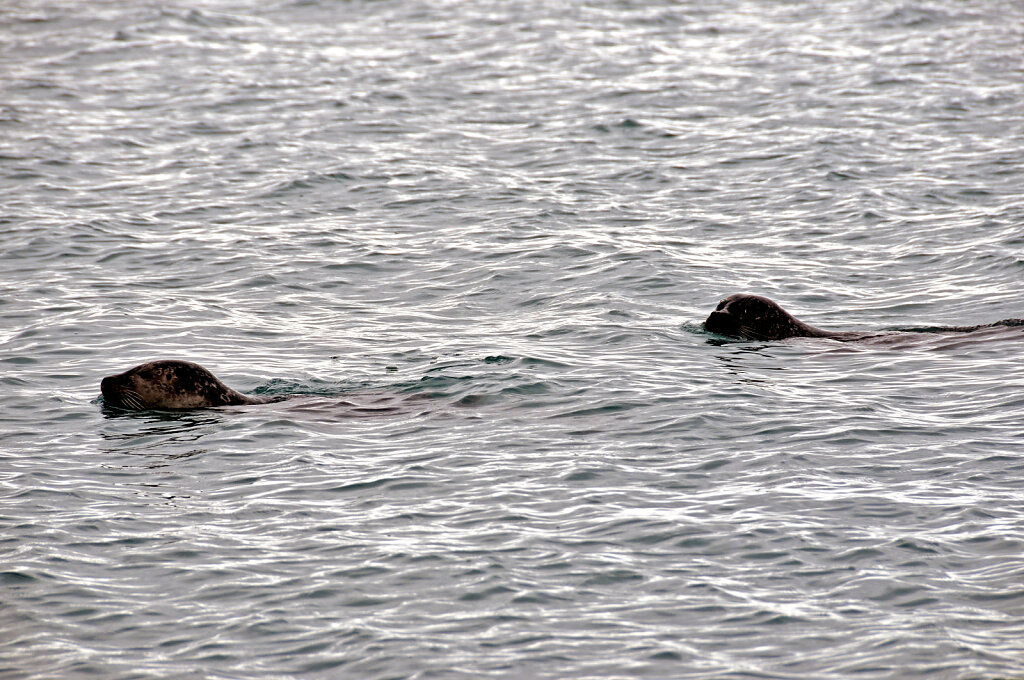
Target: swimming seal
[(171, 384), (753, 317)]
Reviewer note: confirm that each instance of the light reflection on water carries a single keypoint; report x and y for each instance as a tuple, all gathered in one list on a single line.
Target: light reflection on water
[(476, 244)]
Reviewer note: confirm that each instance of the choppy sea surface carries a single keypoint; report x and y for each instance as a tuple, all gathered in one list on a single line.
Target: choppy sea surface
[(475, 242)]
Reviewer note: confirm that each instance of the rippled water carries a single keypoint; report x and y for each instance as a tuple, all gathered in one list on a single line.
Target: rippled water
[(476, 241)]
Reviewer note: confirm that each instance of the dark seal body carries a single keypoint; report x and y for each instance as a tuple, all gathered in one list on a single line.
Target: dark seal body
[(753, 317), (170, 384)]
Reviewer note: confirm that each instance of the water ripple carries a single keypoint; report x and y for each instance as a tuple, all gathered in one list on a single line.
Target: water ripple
[(474, 244)]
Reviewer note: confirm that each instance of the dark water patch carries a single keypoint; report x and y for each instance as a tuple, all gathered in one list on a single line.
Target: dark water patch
[(15, 578)]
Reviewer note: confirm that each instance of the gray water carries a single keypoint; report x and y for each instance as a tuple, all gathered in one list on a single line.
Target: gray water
[(475, 242)]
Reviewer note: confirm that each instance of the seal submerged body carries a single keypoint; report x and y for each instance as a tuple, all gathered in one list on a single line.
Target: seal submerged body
[(753, 317), (170, 384)]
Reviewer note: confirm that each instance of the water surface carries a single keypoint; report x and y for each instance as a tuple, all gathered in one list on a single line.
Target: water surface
[(478, 239)]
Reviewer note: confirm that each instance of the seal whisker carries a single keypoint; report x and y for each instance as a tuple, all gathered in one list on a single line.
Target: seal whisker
[(750, 332), (126, 399)]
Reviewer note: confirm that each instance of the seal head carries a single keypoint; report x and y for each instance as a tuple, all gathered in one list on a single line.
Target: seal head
[(170, 384), (753, 317)]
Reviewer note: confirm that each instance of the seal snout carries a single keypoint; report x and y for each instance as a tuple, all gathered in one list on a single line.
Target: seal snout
[(114, 393), (722, 323)]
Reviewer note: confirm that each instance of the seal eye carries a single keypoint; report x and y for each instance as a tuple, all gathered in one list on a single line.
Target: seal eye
[(721, 306)]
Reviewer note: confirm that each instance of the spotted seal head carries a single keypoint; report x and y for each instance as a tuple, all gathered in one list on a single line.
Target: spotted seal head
[(753, 317), (170, 384)]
